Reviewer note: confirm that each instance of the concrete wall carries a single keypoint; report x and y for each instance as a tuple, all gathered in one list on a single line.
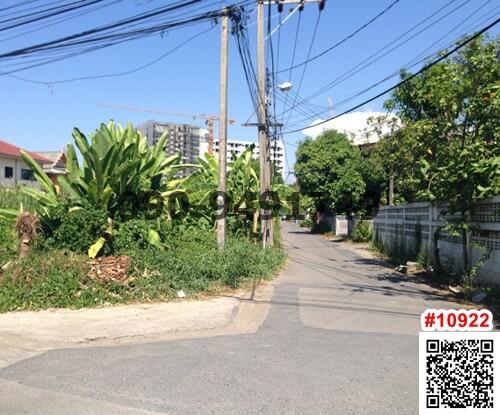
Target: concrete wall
[(408, 229), (16, 180), (339, 224)]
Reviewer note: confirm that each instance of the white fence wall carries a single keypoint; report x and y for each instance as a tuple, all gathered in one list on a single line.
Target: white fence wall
[(408, 228)]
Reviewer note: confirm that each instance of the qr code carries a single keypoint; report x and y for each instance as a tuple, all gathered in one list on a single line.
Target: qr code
[(457, 372)]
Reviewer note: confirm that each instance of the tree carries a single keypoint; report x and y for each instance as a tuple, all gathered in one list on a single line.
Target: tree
[(375, 179), (448, 145), (329, 169), (396, 155)]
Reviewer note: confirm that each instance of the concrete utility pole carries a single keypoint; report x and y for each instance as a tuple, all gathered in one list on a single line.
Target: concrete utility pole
[(221, 188), (391, 190), (265, 219)]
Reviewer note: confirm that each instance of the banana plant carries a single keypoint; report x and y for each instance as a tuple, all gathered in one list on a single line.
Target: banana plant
[(117, 167), (118, 171), (243, 188)]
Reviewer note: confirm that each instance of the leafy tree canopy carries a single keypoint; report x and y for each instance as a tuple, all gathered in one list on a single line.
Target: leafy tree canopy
[(329, 169), (448, 148)]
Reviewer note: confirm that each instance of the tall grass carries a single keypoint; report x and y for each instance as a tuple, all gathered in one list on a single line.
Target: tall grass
[(13, 198), (192, 263)]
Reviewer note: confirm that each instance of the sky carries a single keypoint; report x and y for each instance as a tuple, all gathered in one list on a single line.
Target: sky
[(41, 116)]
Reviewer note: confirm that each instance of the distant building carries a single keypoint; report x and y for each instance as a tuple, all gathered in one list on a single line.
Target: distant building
[(236, 147), (182, 138), (13, 170), (57, 164), (355, 126)]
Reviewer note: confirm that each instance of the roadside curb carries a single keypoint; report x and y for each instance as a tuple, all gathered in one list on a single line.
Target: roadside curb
[(244, 312)]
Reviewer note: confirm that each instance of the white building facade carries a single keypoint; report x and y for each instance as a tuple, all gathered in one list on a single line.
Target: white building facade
[(236, 147), (13, 170)]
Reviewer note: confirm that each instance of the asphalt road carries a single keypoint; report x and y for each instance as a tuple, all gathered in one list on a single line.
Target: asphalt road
[(340, 338)]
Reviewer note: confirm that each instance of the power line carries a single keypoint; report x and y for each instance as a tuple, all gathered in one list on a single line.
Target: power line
[(112, 39), (20, 4), (36, 17), (61, 19), (26, 3), (410, 64), (409, 78), (370, 60), (64, 41), (305, 66), (116, 74), (293, 56), (339, 43), (239, 30), (468, 17)]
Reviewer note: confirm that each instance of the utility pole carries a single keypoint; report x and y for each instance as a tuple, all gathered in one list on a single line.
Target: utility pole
[(266, 220), (391, 190), (265, 214), (221, 187)]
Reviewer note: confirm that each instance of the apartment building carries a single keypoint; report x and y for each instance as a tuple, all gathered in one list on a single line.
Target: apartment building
[(236, 147), (182, 138)]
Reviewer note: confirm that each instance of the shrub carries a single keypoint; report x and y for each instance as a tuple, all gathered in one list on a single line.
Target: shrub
[(362, 232), (75, 230), (133, 234), (306, 223), (11, 199), (192, 262), (423, 258)]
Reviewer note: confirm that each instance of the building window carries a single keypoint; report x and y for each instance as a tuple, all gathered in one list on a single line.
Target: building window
[(9, 172), (27, 174)]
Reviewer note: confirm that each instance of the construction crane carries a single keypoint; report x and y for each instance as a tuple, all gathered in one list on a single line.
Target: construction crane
[(208, 118)]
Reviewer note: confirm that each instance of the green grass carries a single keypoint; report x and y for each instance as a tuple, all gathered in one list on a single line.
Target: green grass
[(12, 198), (192, 263)]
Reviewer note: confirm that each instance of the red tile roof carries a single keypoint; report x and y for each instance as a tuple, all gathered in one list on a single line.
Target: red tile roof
[(10, 150)]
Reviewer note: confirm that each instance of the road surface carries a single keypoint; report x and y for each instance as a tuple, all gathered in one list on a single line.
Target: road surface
[(340, 338)]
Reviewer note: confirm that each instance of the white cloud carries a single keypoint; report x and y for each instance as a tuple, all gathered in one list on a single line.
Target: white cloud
[(353, 124)]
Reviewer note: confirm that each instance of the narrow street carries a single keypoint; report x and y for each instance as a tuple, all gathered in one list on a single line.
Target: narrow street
[(340, 338)]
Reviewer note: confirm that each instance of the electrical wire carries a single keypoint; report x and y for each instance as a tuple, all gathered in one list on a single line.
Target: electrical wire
[(313, 38), (345, 39), (239, 31), (20, 4), (121, 37), (60, 20), (410, 64), (36, 17), (375, 57), (85, 35), (116, 74), (293, 56), (408, 78)]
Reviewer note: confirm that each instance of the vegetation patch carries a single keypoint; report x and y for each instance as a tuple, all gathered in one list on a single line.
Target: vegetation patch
[(362, 232), (191, 262), (116, 228)]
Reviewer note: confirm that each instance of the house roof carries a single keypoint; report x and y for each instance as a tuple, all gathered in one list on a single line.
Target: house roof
[(57, 158), (10, 150)]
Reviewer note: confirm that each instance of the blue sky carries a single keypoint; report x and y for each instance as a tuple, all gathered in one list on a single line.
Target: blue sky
[(41, 117)]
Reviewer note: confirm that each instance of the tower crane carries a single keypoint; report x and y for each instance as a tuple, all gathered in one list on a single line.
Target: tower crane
[(208, 118)]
